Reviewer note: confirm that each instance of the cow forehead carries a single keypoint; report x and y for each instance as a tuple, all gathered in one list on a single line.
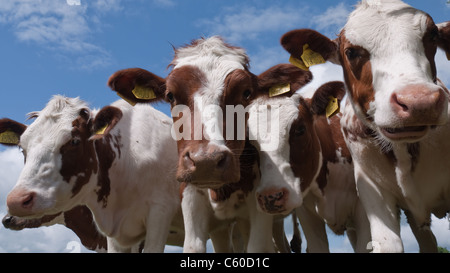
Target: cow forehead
[(215, 60), (288, 108), (53, 124), (385, 26)]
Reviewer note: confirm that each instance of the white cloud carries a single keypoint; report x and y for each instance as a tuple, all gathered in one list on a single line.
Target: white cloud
[(332, 20), (443, 66), (164, 3), (243, 23), (67, 28)]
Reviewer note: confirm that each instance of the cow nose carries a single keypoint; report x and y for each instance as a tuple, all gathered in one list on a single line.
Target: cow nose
[(20, 203), (418, 104), (273, 200), (216, 160)]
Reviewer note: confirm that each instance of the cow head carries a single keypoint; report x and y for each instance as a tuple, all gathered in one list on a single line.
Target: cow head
[(63, 149), (209, 81), (387, 52), (288, 171)]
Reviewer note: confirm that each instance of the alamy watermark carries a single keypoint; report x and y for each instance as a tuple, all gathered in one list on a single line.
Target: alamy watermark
[(210, 123)]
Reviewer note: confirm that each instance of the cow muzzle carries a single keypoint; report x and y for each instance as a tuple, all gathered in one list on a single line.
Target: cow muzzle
[(20, 202), (417, 108), (273, 201), (211, 167)]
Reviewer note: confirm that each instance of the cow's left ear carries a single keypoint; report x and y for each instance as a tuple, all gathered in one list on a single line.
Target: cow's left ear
[(444, 37), (327, 98), (282, 79), (10, 131), (105, 120)]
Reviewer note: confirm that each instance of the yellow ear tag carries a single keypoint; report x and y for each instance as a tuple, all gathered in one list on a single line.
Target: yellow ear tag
[(310, 57), (9, 137), (102, 130), (143, 93), (298, 63), (127, 100), (279, 89), (332, 107)]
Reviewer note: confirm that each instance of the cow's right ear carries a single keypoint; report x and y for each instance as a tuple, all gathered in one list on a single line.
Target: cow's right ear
[(327, 99), (308, 47), (105, 120), (10, 131), (137, 85)]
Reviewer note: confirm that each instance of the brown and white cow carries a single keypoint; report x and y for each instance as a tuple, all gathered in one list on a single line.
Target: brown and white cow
[(113, 161), (310, 169), (397, 125), (209, 78)]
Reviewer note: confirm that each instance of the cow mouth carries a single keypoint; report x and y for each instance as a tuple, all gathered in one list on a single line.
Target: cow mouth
[(405, 133)]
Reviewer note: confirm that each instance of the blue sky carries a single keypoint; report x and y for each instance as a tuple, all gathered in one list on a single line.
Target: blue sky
[(71, 47)]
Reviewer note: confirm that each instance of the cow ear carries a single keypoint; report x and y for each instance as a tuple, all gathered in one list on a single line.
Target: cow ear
[(444, 37), (282, 79), (10, 131), (308, 47), (136, 85), (327, 98), (105, 120)]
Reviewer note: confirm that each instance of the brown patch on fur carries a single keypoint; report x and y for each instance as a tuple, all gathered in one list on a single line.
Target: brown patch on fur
[(78, 155), (355, 61), (304, 148), (81, 221)]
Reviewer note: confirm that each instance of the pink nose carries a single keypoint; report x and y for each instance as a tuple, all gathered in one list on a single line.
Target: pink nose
[(418, 105), (273, 200), (20, 203)]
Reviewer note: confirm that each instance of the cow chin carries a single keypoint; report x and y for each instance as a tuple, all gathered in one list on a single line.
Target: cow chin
[(209, 181), (408, 134)]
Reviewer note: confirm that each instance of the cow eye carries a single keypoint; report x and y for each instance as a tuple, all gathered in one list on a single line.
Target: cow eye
[(351, 53), (84, 113), (299, 131), (75, 141), (247, 93), (170, 97)]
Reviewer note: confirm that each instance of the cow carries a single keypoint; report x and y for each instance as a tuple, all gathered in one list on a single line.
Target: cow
[(311, 169), (216, 161), (111, 160), (395, 121)]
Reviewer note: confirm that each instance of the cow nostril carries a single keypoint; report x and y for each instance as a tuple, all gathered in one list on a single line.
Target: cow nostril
[(398, 102), (222, 162), (28, 202)]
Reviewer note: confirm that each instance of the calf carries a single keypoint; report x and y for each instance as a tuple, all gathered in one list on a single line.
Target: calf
[(209, 78), (121, 167), (397, 125), (311, 169)]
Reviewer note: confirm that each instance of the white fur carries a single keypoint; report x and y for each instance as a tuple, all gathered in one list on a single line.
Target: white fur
[(394, 41)]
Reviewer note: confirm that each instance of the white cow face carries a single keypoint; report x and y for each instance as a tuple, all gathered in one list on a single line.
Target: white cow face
[(387, 51), (60, 159), (289, 170)]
